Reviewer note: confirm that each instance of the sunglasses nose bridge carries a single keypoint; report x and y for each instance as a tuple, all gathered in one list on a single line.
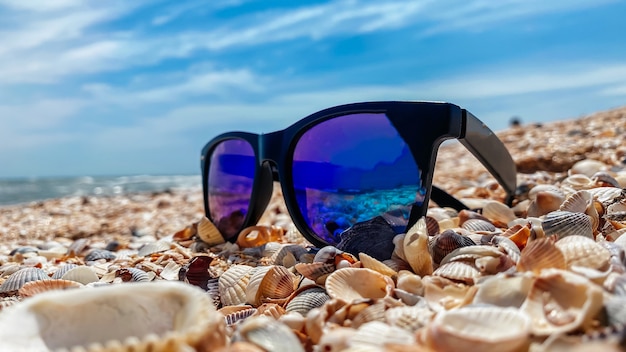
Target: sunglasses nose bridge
[(270, 150)]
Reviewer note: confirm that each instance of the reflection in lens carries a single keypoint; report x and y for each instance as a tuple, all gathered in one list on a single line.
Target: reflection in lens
[(230, 179), (353, 168)]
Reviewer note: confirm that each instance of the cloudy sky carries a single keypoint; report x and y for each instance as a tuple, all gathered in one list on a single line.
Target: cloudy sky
[(137, 87)]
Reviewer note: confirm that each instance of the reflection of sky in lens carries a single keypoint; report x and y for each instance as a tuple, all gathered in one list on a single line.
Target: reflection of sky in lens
[(374, 140)]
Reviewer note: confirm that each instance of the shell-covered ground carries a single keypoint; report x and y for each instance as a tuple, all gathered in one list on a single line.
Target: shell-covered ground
[(147, 271)]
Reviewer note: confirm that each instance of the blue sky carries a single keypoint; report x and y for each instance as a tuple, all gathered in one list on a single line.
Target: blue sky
[(138, 87)]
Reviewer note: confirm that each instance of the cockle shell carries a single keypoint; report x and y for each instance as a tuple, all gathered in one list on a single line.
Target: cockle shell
[(16, 280), (155, 316), (503, 291), (458, 271), (582, 202), (476, 225), (32, 288), (349, 284), (307, 298), (62, 270), (565, 223), (499, 213), (479, 328), (541, 254), (447, 242), (583, 251), (560, 301), (96, 254), (269, 334), (232, 284), (82, 274), (415, 249), (314, 270), (269, 282), (236, 314), (410, 318), (208, 232)]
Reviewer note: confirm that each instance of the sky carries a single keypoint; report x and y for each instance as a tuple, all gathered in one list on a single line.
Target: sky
[(123, 87)]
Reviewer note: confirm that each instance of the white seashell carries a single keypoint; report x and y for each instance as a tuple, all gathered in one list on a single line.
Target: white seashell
[(410, 318), (161, 316), (376, 265), (269, 334), (153, 247), (583, 251), (498, 212), (503, 291), (82, 274), (170, 271), (587, 167), (458, 271), (379, 334), (232, 284), (209, 233), (488, 328), (349, 284), (442, 294), (416, 249)]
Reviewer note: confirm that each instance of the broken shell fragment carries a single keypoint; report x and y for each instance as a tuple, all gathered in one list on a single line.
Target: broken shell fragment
[(208, 232)]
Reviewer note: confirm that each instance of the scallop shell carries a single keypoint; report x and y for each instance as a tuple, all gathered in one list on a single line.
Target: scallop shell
[(458, 271), (209, 233), (477, 225), (132, 275), (565, 223), (373, 237), (432, 225), (479, 329), (97, 254), (376, 265), (447, 242), (498, 213), (560, 302), (153, 247), (269, 334), (16, 280), (583, 251), (503, 291), (272, 282), (442, 294), (236, 314), (62, 270), (32, 288), (541, 254), (81, 274), (170, 271), (410, 318), (582, 202), (349, 284), (307, 298), (232, 284), (156, 316), (287, 255)]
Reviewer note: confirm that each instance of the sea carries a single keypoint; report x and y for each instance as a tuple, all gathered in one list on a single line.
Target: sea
[(25, 190)]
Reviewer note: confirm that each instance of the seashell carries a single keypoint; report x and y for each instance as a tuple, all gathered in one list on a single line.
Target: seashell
[(153, 247), (236, 314), (561, 302), (415, 249), (458, 271), (442, 213), (268, 283), (507, 246), (196, 272), (583, 251), (545, 202), (269, 334), (97, 254), (447, 242), (293, 320), (53, 252), (471, 253), (479, 328), (255, 236), (442, 294), (541, 254), (62, 270), (170, 271), (24, 250), (410, 282), (465, 215), (503, 291), (498, 213), (286, 254), (208, 232), (307, 298), (587, 167), (81, 274), (132, 275), (349, 284), (376, 265), (432, 225), (410, 318), (271, 310), (373, 312), (606, 195), (565, 223), (577, 182), (604, 179), (77, 247), (379, 335), (155, 316), (582, 202), (314, 270), (477, 225), (232, 284), (373, 237), (519, 234), (336, 339), (32, 288), (16, 280)]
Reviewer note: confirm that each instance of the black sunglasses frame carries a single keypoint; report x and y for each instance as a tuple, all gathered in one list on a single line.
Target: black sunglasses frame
[(422, 125)]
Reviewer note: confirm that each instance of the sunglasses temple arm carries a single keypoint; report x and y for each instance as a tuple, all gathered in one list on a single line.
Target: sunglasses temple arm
[(491, 152)]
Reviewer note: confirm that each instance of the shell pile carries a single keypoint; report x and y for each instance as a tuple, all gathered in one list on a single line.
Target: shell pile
[(546, 274)]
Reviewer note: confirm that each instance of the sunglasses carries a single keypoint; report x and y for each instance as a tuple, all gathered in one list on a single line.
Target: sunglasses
[(345, 165)]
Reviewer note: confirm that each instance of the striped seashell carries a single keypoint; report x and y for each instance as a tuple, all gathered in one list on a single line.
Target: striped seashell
[(498, 213), (446, 242), (480, 328), (507, 246), (459, 272), (274, 282), (132, 275), (564, 223), (503, 291), (349, 284), (410, 318), (376, 336), (541, 254), (63, 269), (155, 316), (232, 284), (376, 265), (153, 247), (606, 195), (81, 274), (477, 225), (97, 254), (268, 334), (213, 290), (583, 202), (314, 270), (287, 255), (432, 225), (236, 314), (373, 312), (9, 268), (32, 288), (208, 232), (583, 251), (16, 280), (77, 247), (307, 298), (415, 248)]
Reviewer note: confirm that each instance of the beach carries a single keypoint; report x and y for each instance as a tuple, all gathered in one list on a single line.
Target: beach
[(576, 156)]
